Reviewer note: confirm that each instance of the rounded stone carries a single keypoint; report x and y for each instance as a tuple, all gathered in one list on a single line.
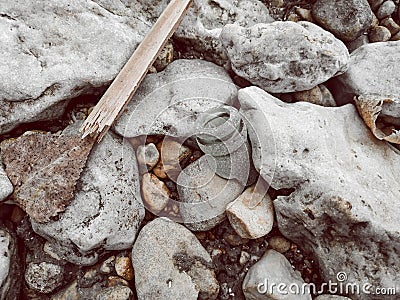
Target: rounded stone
[(44, 277), (379, 34), (386, 9)]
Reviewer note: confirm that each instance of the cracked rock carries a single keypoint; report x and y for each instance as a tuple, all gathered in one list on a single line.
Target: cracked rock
[(284, 57), (170, 263), (43, 66), (169, 102), (344, 205), (106, 210)]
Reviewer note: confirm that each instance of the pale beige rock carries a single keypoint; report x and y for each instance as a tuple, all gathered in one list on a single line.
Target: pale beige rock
[(251, 214), (279, 243), (155, 193)]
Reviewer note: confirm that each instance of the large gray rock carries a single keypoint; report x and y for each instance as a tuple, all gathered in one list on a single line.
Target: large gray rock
[(273, 269), (84, 48), (344, 207), (170, 102), (365, 75), (9, 265), (106, 210), (284, 56), (170, 263), (6, 187), (347, 19), (44, 277)]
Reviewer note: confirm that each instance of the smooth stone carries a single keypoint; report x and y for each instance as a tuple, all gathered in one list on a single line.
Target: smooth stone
[(44, 66), (347, 19), (365, 63), (156, 194), (386, 9), (169, 102), (251, 214), (272, 268), (284, 57), (44, 277), (204, 195), (390, 24), (70, 292), (147, 156), (344, 200), (6, 187), (172, 154), (170, 263), (379, 34), (108, 197)]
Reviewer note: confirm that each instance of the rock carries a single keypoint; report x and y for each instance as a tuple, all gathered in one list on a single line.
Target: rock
[(204, 195), (365, 63), (331, 297), (168, 102), (115, 293), (264, 276), (123, 267), (156, 194), (386, 9), (10, 272), (165, 57), (379, 34), (108, 197), (357, 43), (315, 96), (375, 4), (147, 156), (42, 65), (338, 171), (70, 292), (251, 214), (244, 257), (170, 263), (108, 265), (44, 277), (390, 24), (305, 14), (172, 154), (347, 19), (45, 169), (327, 96), (279, 243), (396, 37), (284, 56), (6, 187), (198, 34)]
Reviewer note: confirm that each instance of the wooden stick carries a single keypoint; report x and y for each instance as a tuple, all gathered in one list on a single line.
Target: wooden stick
[(120, 92)]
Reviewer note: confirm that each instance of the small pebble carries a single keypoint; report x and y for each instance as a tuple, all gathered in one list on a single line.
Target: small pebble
[(116, 280), (44, 277), (234, 239), (244, 257), (156, 195), (147, 155), (379, 34), (293, 17), (390, 24), (305, 14), (165, 57), (357, 43), (115, 293), (327, 96), (123, 267), (279, 243), (107, 265), (386, 9)]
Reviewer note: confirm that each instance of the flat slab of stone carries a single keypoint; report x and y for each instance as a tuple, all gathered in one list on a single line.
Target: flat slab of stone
[(344, 206)]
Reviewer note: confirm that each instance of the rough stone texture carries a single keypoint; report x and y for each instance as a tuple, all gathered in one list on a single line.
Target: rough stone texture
[(115, 293), (147, 156), (84, 48), (199, 31), (44, 168), (44, 277), (9, 265), (169, 102), (391, 25), (170, 263), (347, 19), (123, 267), (319, 95), (386, 9), (379, 34), (204, 195), (365, 76), (284, 56), (106, 210), (272, 268), (6, 187), (344, 207), (251, 214)]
